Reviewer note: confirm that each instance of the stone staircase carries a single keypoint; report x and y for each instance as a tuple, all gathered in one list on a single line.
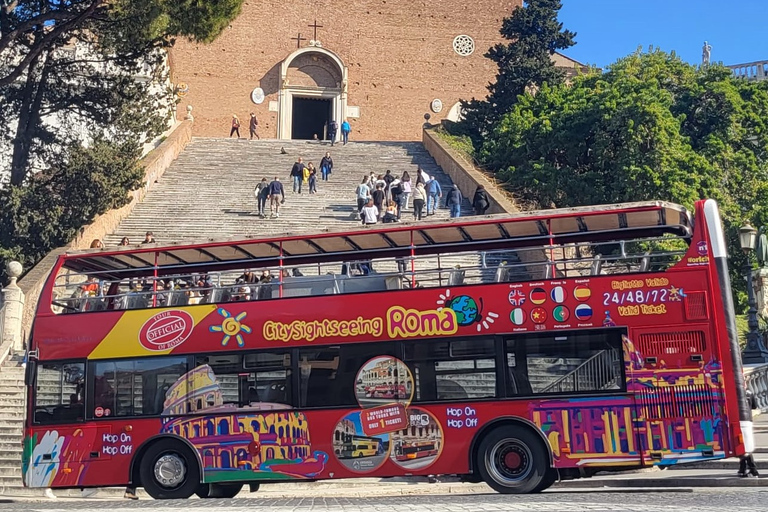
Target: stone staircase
[(207, 193), (12, 403)]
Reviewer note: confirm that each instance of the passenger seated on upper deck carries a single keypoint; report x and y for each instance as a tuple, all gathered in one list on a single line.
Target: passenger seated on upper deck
[(265, 285), (204, 283), (91, 287), (357, 268)]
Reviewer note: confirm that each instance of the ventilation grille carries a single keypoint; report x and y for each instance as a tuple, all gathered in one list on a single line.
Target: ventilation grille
[(667, 344), (689, 401), (696, 306)]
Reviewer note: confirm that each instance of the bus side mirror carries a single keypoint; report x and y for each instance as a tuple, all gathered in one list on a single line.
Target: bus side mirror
[(30, 371)]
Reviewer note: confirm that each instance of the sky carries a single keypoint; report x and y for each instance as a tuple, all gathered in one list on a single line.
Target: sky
[(609, 29)]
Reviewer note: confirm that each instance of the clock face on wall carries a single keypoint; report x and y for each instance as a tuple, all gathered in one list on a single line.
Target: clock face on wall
[(257, 96)]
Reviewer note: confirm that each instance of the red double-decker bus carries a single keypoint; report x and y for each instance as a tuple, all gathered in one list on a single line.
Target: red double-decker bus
[(537, 346)]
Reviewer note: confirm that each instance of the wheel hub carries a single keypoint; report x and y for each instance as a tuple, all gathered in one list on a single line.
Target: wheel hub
[(170, 470), (510, 461)]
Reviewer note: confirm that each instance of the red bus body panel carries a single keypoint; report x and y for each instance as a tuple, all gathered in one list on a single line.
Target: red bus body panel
[(659, 420)]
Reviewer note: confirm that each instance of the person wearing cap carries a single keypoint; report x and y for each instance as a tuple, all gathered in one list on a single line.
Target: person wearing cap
[(433, 193), (149, 238)]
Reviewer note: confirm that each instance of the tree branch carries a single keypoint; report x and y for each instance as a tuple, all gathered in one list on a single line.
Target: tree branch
[(48, 40)]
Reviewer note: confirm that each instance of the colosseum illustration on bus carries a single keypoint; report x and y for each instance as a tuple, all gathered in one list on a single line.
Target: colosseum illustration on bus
[(260, 441)]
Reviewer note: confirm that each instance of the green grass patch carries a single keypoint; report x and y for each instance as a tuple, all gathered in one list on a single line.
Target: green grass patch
[(461, 143)]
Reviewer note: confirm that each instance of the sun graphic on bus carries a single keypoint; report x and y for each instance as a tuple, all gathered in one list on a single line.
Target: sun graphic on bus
[(231, 326)]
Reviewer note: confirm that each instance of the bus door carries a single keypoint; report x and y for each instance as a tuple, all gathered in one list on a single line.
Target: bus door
[(677, 385)]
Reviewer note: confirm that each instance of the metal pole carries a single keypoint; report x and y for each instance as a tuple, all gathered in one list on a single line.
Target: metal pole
[(755, 351)]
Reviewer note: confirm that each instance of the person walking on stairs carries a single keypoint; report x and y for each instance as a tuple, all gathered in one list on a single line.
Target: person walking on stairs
[(276, 197), (326, 166), (297, 175), (434, 192), (363, 193), (345, 129), (312, 179), (453, 201), (254, 126), (481, 202), (261, 192), (419, 198), (235, 126), (332, 129)]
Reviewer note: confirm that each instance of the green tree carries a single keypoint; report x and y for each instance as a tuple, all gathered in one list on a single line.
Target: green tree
[(524, 63), (58, 201), (652, 127), (42, 77)]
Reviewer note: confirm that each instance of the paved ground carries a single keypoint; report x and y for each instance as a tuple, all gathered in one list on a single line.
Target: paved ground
[(551, 501)]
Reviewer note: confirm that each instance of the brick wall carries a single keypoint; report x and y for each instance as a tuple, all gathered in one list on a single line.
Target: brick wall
[(399, 55)]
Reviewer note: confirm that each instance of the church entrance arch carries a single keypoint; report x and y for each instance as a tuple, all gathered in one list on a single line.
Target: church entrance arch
[(313, 92)]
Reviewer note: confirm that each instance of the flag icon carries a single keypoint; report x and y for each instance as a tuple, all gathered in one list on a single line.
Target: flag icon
[(538, 296), (517, 316), (539, 315), (561, 314), (557, 294), (516, 298), (582, 293), (583, 312)]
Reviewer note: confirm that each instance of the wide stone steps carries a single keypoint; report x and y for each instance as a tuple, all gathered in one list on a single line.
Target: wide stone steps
[(207, 194)]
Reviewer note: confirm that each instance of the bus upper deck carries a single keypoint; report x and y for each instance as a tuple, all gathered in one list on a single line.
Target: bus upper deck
[(561, 243)]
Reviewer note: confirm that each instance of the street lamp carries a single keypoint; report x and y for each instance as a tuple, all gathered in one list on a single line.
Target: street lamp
[(755, 352)]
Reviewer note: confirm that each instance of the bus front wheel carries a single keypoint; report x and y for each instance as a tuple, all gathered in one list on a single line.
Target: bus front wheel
[(169, 470), (513, 461), (218, 490)]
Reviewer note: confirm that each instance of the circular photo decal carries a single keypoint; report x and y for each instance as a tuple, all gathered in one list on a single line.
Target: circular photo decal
[(384, 380), (419, 444), (357, 448)]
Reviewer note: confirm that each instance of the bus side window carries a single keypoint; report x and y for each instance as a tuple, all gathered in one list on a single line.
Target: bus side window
[(59, 393), (459, 369)]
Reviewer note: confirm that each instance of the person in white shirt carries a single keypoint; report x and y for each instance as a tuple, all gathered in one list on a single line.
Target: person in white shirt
[(369, 214)]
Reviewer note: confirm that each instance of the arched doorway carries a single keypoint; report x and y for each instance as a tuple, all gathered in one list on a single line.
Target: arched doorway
[(313, 91)]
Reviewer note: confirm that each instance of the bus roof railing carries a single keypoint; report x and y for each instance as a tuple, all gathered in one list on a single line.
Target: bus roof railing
[(525, 229)]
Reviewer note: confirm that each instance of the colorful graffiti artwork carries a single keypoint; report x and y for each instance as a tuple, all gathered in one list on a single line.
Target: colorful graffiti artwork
[(269, 446), (259, 441), (57, 460), (675, 417)]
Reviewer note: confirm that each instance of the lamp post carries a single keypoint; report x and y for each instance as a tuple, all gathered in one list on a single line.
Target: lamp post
[(755, 352)]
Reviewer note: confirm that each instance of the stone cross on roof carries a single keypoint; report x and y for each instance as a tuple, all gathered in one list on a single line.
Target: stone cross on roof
[(298, 40)]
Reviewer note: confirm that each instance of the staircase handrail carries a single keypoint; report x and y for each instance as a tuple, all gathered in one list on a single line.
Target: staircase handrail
[(588, 368)]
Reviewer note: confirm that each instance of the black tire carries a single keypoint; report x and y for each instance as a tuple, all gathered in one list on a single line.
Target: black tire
[(512, 460), (180, 458), (218, 490), (549, 479)]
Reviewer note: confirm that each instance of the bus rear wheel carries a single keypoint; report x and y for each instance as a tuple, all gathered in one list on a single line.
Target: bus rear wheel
[(218, 490), (169, 471), (513, 461)]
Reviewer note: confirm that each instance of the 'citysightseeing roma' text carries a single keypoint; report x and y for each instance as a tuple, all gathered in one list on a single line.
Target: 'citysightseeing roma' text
[(401, 322)]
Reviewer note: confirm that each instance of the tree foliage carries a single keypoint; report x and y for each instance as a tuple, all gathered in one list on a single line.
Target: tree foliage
[(83, 63), (652, 127), (524, 63), (57, 202)]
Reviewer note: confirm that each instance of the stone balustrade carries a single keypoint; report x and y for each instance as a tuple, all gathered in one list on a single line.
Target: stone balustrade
[(751, 70), (756, 376)]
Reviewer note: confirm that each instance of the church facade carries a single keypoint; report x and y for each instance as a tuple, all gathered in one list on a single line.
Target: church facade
[(383, 65)]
